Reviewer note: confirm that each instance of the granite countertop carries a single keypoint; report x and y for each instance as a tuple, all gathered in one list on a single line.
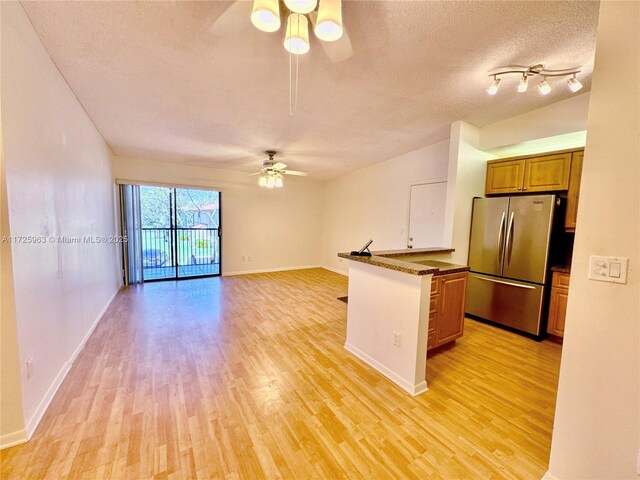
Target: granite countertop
[(561, 268), (422, 267)]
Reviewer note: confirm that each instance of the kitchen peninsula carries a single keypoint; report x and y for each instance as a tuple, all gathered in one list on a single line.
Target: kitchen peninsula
[(401, 304)]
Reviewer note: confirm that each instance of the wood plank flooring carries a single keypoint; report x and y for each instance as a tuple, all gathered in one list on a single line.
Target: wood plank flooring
[(246, 378)]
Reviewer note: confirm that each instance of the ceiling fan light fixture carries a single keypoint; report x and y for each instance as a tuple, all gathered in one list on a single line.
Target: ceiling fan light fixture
[(296, 39), (329, 22), (265, 15), (271, 182), (301, 6), (279, 181), (262, 181)]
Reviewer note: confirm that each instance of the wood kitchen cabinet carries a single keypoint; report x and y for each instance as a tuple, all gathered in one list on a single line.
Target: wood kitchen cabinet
[(574, 191), (558, 304), (543, 173), (446, 312)]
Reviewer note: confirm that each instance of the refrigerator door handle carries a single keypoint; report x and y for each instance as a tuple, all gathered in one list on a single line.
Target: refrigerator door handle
[(502, 282), (509, 242), (501, 240)]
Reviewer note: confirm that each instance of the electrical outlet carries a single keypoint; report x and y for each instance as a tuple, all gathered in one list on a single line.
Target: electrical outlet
[(29, 368), (396, 339)]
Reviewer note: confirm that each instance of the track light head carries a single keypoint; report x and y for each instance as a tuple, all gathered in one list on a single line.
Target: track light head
[(493, 89), (524, 83), (543, 87), (574, 84)]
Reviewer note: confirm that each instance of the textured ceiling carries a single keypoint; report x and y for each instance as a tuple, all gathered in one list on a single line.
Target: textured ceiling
[(187, 82)]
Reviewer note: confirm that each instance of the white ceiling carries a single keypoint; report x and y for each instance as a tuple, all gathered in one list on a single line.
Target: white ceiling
[(172, 81)]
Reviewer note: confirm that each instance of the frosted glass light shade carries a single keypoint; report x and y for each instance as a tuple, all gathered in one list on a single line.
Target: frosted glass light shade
[(329, 22), (301, 6), (524, 84), (262, 181), (265, 15), (296, 40), (271, 182), (544, 87), (279, 181), (493, 89), (574, 84)]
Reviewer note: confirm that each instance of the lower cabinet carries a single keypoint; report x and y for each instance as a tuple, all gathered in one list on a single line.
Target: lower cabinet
[(446, 312), (558, 304)]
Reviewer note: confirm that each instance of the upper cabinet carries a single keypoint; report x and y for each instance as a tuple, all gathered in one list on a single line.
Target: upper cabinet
[(547, 173), (574, 191), (505, 176), (552, 172)]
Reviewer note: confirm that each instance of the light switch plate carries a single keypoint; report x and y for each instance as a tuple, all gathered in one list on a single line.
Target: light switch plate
[(608, 269)]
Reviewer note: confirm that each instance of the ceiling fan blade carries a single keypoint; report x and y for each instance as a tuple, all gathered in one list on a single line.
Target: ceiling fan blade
[(337, 51), (279, 166), (252, 174), (294, 172), (237, 15)]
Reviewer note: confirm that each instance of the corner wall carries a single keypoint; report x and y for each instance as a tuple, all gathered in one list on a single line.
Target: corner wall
[(597, 422), (276, 229), (11, 417), (59, 183), (373, 202)]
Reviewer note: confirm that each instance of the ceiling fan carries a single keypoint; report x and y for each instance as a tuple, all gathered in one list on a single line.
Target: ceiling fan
[(236, 17), (271, 173)]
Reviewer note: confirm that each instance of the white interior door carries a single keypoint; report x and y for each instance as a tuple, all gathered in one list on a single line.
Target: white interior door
[(426, 215)]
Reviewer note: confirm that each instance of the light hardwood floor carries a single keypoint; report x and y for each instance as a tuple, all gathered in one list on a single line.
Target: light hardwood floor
[(247, 378)]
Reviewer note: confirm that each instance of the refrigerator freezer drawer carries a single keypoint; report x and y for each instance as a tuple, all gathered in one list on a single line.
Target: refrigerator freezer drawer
[(508, 302)]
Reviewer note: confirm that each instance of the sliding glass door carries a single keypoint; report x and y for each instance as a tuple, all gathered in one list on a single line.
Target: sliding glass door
[(180, 231)]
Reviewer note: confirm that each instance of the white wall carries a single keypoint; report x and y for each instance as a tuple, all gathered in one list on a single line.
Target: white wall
[(58, 183), (11, 416), (374, 203), (467, 173), (597, 423), (560, 118), (277, 228)]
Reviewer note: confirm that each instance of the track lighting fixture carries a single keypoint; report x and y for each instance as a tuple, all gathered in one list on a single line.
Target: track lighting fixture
[(525, 72)]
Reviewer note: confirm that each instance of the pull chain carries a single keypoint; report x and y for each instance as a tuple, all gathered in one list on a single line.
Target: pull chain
[(293, 95)]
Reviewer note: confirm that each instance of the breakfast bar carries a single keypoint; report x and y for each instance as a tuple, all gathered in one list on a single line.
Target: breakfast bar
[(400, 304)]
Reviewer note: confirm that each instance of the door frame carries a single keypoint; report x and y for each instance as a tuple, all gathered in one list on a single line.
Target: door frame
[(220, 192), (412, 184)]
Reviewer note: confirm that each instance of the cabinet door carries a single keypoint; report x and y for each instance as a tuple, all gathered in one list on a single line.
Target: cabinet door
[(452, 301), (557, 311), (504, 177), (574, 191), (548, 173)]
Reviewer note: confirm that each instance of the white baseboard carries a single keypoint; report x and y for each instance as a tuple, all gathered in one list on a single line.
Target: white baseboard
[(35, 419), (335, 270), (267, 270), (407, 386), (12, 439), (549, 476)]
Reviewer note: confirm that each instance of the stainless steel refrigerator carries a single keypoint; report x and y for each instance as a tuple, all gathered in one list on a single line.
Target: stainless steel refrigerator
[(509, 259)]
